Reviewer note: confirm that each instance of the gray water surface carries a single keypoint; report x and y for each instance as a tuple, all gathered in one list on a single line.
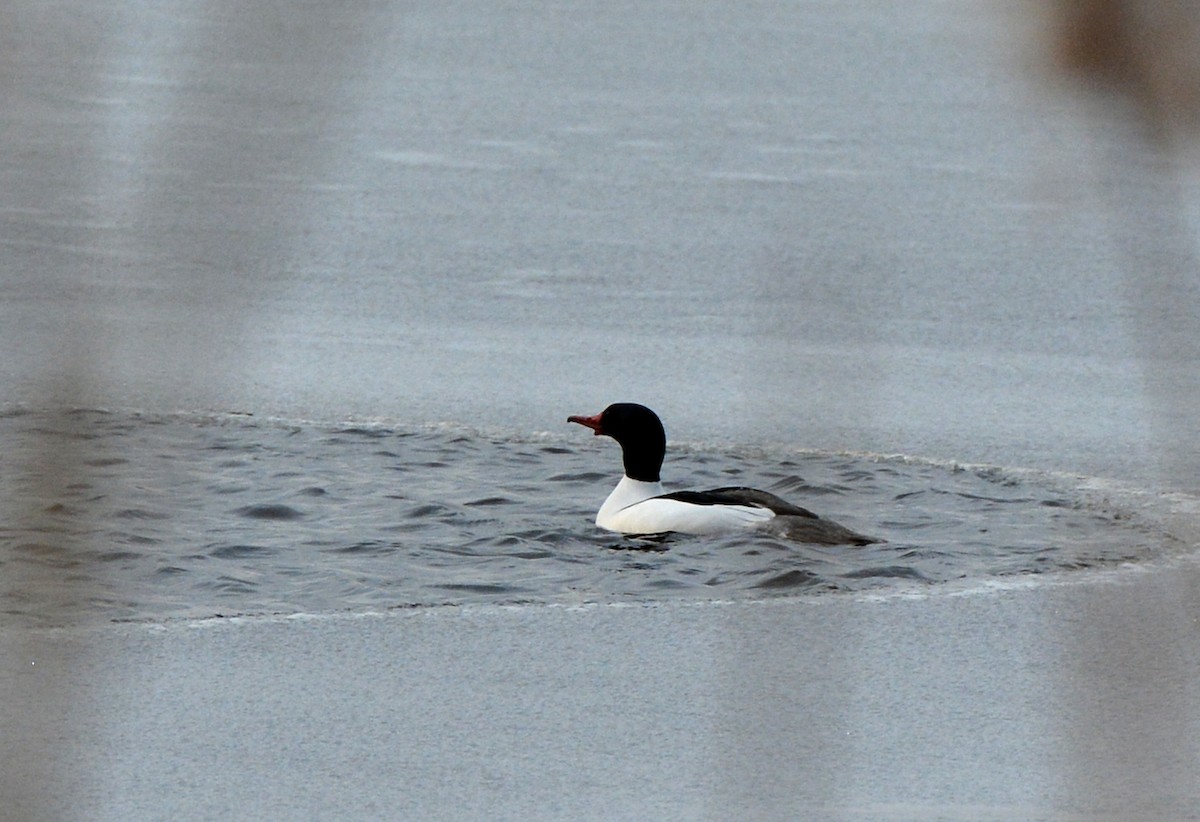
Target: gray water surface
[(852, 220)]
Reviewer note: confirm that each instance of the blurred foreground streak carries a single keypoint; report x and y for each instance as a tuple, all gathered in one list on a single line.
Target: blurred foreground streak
[(49, 578), (1141, 61), (1148, 50), (1142, 58)]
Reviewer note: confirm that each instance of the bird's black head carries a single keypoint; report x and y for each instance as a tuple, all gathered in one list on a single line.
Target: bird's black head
[(640, 434)]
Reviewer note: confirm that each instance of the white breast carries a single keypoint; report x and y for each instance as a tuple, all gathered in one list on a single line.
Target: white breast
[(634, 508)]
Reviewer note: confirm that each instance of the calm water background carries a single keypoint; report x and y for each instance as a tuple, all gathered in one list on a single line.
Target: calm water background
[(294, 298), (843, 227)]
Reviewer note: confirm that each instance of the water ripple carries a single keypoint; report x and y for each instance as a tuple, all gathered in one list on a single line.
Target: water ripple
[(184, 516), (270, 511)]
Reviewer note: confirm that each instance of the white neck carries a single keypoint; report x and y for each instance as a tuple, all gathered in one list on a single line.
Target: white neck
[(628, 492)]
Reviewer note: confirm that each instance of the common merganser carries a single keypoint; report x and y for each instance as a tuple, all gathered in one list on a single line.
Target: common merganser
[(638, 505)]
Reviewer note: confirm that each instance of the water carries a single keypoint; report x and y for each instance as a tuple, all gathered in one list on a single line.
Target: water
[(747, 217), (200, 515), (805, 233)]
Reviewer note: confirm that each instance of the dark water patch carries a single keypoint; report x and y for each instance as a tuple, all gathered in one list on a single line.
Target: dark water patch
[(549, 537), (118, 556), (45, 555), (105, 462), (887, 572), (472, 549), (489, 502), (62, 509), (240, 551), (270, 511), (793, 578), (580, 477), (997, 500), (226, 585), (530, 554), (484, 588), (137, 539), (487, 519), (140, 514), (406, 527), (436, 511), (668, 583), (505, 545), (367, 433), (373, 548), (72, 433), (230, 489), (224, 445), (652, 543), (796, 484), (526, 457)]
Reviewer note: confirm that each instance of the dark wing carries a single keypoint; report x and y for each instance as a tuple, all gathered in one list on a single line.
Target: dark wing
[(742, 496), (791, 521)]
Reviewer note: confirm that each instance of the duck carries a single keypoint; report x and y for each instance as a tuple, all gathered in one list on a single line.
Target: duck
[(640, 506)]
